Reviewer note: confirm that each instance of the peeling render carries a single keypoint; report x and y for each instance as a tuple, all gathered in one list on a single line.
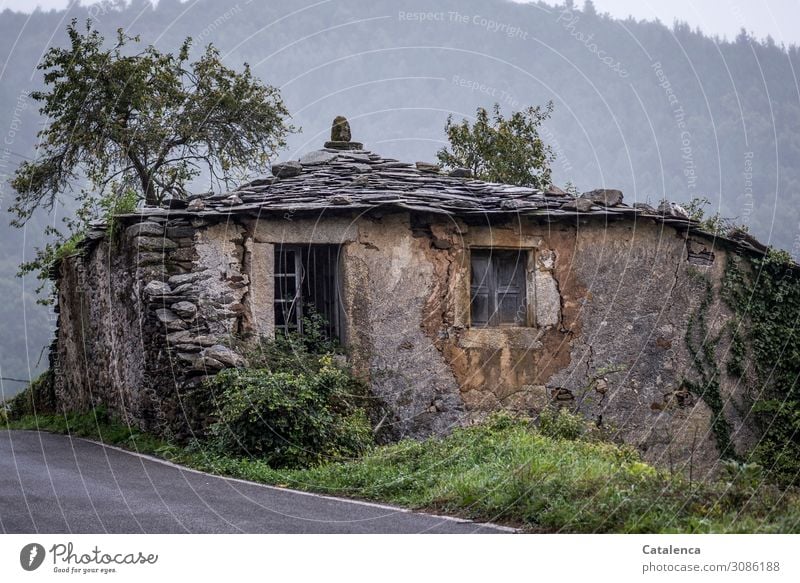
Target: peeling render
[(141, 324)]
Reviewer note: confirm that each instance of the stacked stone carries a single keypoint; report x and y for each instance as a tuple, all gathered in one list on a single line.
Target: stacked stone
[(182, 348)]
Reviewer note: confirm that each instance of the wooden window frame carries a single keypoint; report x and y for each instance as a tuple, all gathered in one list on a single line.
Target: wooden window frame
[(526, 300), (294, 308)]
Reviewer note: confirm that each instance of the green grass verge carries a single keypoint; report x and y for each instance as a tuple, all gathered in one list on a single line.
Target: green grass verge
[(502, 470)]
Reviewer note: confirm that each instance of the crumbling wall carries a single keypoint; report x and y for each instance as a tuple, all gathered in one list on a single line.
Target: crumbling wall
[(612, 303), (145, 319)]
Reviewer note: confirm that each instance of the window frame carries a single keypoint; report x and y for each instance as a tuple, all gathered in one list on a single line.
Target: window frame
[(293, 314), (526, 299)]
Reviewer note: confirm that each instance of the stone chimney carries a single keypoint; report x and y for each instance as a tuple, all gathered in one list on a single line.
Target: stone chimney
[(340, 136)]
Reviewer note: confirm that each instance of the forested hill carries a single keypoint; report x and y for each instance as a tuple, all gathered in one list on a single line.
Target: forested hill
[(658, 111)]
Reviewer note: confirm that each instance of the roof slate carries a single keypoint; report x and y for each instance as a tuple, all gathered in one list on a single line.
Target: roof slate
[(360, 180)]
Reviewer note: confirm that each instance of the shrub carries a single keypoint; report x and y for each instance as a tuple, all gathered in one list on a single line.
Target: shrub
[(37, 398), (295, 352), (562, 424), (289, 419)]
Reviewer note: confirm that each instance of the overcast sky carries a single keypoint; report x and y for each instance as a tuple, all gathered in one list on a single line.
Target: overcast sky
[(778, 18)]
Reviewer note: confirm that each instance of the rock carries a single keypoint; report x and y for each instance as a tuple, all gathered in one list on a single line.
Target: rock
[(145, 228), (154, 243), (175, 325), (157, 288), (340, 129), (360, 168), (670, 209), (355, 157), (196, 205), (224, 355), (601, 386), (183, 254), (562, 394), (186, 310), (644, 207), (166, 315), (185, 278), (339, 199), (206, 362), (188, 348), (554, 190), (185, 288), (581, 205), (604, 196), (180, 337), (204, 340), (442, 244), (231, 200), (460, 173), (187, 357), (509, 204), (180, 232), (428, 167), (287, 169), (318, 157)]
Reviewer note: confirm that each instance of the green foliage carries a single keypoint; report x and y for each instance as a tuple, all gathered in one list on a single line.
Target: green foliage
[(97, 424), (289, 419), (138, 127), (561, 424), (37, 398), (500, 470), (149, 119), (702, 349), (294, 351), (501, 149), (504, 469), (766, 300), (46, 259), (714, 224), (117, 204)]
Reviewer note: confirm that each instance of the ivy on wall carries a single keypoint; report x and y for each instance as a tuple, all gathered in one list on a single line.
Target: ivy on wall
[(765, 354), (702, 350)]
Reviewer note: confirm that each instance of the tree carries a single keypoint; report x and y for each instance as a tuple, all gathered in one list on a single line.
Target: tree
[(147, 122), (499, 149)]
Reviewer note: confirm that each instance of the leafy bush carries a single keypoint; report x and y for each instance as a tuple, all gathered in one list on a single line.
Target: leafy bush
[(36, 399), (766, 300), (289, 419), (562, 424), (295, 352)]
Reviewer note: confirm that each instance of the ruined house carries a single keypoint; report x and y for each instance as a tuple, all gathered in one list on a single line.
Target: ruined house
[(452, 297)]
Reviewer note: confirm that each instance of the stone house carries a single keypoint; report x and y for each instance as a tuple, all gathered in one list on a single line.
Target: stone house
[(452, 296)]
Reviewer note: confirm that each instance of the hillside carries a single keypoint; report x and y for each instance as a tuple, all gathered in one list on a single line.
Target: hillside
[(656, 111)]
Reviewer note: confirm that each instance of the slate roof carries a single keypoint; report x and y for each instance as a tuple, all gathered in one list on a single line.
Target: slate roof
[(359, 180)]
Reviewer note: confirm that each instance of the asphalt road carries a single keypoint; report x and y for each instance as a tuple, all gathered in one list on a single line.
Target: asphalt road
[(57, 484)]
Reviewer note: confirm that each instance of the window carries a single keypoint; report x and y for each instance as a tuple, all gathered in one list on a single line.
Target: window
[(306, 280), (498, 287)]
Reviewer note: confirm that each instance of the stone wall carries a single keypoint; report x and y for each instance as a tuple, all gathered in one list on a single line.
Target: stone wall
[(144, 320)]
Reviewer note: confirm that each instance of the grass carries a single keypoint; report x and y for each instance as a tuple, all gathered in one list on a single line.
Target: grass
[(503, 470)]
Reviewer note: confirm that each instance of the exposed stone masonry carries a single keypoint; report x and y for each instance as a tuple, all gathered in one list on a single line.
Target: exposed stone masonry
[(185, 290)]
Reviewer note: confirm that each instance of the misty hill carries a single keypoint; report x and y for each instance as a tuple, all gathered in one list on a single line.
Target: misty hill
[(657, 111)]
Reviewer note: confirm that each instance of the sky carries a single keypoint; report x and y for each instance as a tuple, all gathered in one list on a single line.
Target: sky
[(777, 18)]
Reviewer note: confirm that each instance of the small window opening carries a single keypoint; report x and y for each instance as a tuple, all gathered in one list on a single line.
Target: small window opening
[(498, 288), (306, 282)]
